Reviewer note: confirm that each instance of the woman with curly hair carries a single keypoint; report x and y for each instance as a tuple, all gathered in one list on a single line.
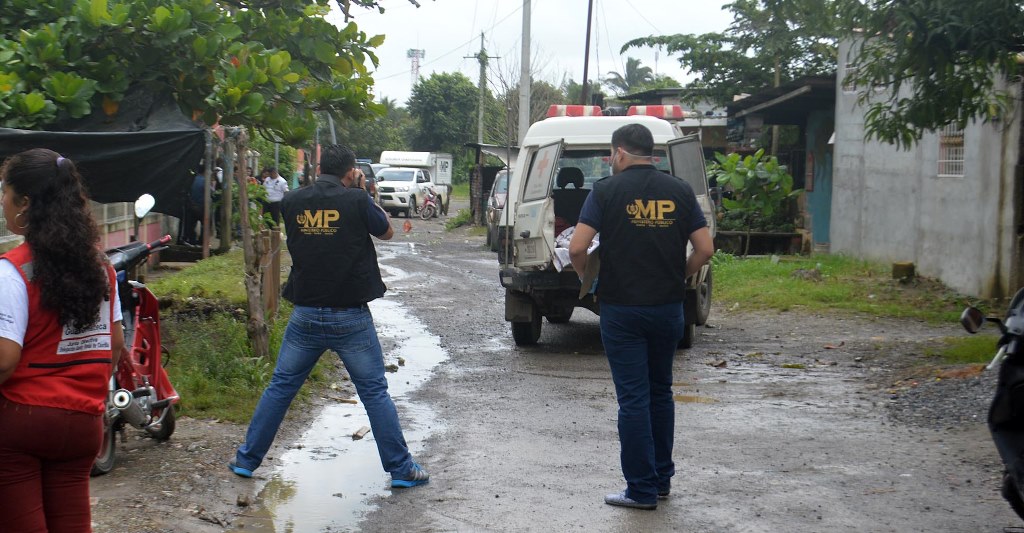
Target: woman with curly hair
[(60, 335)]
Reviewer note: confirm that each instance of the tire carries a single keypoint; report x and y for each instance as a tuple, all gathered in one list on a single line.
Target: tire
[(108, 451), (703, 307), (689, 332), (527, 333), (562, 316), (427, 212), (1013, 495), (166, 428)]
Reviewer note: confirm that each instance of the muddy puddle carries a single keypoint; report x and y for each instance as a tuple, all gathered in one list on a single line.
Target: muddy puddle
[(327, 479)]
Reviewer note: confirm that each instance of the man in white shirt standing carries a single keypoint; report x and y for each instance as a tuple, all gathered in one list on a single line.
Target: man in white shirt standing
[(276, 186)]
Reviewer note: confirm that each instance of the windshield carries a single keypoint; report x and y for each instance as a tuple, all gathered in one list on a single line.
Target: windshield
[(501, 183), (595, 164), (396, 175)]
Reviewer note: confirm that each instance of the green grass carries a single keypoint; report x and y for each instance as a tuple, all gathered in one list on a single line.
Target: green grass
[(461, 191), (463, 218), (972, 349), (217, 277), (846, 284), (212, 364)]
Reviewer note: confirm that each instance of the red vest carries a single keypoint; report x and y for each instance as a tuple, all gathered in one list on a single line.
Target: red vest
[(60, 367)]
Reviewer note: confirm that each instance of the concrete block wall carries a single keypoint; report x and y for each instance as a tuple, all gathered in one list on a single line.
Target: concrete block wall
[(890, 204)]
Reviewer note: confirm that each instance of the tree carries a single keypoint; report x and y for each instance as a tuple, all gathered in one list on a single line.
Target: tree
[(937, 62), (768, 43), (634, 77), (368, 137), (444, 108), (286, 155), (268, 64)]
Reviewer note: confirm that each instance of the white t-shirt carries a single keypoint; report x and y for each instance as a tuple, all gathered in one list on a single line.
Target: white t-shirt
[(14, 304), (276, 187)]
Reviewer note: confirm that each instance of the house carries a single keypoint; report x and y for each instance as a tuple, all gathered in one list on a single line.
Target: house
[(809, 104), (952, 203)]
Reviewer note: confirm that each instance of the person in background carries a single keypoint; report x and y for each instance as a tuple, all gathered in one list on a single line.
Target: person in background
[(334, 275), (276, 186), (60, 337), (646, 218)]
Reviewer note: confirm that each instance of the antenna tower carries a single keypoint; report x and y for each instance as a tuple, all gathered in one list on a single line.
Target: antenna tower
[(415, 55)]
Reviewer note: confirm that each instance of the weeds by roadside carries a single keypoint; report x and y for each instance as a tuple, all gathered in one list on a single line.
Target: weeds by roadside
[(463, 218), (211, 362)]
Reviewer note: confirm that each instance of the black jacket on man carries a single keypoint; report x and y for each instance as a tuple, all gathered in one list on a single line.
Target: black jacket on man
[(334, 263)]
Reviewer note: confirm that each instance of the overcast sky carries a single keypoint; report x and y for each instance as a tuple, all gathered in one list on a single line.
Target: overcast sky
[(449, 30)]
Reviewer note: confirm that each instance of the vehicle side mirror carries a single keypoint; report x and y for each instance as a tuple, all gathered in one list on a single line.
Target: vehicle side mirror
[(143, 205), (971, 319)]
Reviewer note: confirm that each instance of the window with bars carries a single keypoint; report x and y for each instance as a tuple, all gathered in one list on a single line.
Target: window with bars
[(104, 214), (951, 152), (849, 84)]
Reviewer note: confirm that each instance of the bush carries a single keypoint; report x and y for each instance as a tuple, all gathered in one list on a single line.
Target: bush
[(762, 188)]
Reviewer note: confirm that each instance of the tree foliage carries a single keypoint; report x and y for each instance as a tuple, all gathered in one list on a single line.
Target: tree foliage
[(444, 108), (268, 64), (937, 61), (635, 77), (369, 137), (769, 42)]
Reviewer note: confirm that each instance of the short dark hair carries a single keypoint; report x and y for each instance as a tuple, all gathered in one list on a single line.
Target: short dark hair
[(336, 159), (635, 139)]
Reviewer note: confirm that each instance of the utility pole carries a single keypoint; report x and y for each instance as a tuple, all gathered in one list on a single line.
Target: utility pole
[(482, 57), (585, 93), (525, 84)]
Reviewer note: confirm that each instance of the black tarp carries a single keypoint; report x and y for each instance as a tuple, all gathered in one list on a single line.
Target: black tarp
[(148, 147)]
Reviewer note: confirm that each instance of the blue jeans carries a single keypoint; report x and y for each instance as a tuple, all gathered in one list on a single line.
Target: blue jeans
[(350, 333), (640, 342)]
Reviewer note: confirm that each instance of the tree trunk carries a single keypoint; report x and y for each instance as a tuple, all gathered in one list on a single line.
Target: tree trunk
[(252, 247)]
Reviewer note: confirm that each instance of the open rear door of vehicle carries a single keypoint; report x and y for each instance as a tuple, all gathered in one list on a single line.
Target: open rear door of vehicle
[(686, 159), (534, 226)]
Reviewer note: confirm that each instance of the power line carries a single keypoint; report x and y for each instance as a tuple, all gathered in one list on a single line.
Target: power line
[(453, 50), (638, 12)]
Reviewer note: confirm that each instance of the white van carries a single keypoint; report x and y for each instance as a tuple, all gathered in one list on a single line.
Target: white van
[(561, 158)]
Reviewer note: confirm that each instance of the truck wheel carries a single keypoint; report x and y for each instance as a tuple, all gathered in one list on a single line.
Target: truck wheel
[(689, 332), (561, 316), (703, 307), (527, 333)]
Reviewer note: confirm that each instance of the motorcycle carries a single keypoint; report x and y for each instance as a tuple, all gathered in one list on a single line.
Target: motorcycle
[(1006, 414), (429, 208), (140, 393)]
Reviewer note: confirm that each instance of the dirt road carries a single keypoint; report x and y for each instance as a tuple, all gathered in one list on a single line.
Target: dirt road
[(783, 424)]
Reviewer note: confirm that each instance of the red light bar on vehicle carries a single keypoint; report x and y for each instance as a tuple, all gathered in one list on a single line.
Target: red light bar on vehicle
[(574, 111), (660, 111)]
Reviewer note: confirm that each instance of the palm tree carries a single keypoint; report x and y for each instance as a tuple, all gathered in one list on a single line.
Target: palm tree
[(634, 77)]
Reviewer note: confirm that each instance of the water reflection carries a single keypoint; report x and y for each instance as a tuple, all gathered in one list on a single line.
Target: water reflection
[(325, 481)]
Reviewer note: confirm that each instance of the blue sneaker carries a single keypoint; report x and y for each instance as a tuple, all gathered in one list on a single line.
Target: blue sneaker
[(239, 471), (418, 476)]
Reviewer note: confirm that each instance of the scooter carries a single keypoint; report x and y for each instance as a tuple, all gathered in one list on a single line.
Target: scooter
[(140, 393), (429, 208), (1006, 415)]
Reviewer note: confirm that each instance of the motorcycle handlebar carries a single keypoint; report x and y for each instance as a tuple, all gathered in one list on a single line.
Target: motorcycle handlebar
[(162, 241)]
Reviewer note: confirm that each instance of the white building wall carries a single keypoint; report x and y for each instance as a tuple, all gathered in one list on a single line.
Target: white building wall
[(890, 204)]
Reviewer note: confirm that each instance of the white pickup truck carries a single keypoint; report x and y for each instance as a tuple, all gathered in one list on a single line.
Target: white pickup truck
[(561, 157), (402, 185)]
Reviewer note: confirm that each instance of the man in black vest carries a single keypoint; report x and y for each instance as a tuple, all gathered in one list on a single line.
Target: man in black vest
[(334, 274), (646, 218)]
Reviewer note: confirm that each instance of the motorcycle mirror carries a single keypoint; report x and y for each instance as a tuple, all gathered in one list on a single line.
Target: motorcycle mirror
[(972, 319), (143, 205)]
